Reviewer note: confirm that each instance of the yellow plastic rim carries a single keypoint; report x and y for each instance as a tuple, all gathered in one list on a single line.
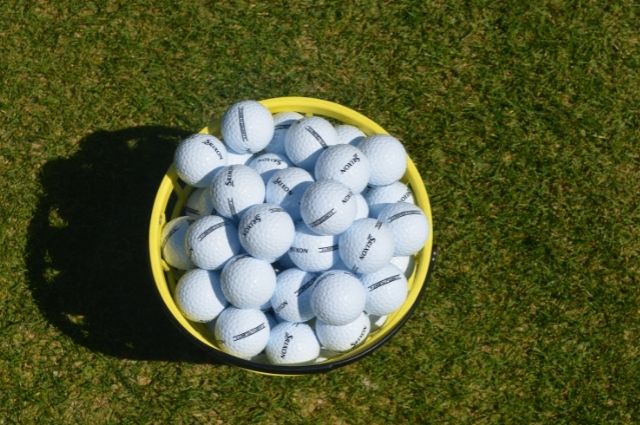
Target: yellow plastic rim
[(173, 193)]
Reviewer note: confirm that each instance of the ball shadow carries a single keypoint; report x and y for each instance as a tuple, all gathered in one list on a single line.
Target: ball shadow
[(87, 246)]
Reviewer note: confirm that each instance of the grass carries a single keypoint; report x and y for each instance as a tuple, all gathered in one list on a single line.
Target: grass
[(522, 119)]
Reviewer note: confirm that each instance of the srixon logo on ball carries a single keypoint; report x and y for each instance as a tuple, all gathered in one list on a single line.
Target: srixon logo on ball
[(350, 164), (209, 143), (255, 220), (347, 197), (285, 346), (228, 181), (367, 247), (278, 182)]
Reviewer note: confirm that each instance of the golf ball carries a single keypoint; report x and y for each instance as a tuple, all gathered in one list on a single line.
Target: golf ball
[(386, 290), (408, 225), (266, 231), (327, 207), (312, 252), (349, 134), (292, 343), (198, 159), (211, 241), (199, 204), (343, 337), (247, 282), (406, 263), (173, 243), (242, 332), (291, 300), (387, 156), (366, 246), (198, 295), (338, 297), (235, 188), (267, 164), (285, 187), (247, 126), (282, 122), (379, 197), (345, 164), (306, 140), (234, 158)]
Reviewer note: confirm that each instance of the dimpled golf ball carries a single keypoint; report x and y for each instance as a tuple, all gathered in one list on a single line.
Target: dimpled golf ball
[(266, 231), (386, 290), (379, 197), (366, 246), (198, 295), (307, 138), (345, 164), (235, 188), (343, 337), (327, 207), (291, 300), (199, 204), (173, 243), (292, 343), (247, 126), (211, 241), (406, 263), (248, 282), (362, 208), (387, 157), (338, 297), (285, 187), (408, 225), (241, 332), (312, 252), (267, 164), (349, 134), (282, 122), (199, 158)]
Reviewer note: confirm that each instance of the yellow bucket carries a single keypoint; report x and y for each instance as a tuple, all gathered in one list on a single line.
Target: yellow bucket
[(173, 193)]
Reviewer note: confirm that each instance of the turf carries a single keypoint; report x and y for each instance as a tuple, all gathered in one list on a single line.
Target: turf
[(522, 119)]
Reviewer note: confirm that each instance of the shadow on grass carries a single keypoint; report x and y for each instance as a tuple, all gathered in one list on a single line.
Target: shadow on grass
[(87, 248)]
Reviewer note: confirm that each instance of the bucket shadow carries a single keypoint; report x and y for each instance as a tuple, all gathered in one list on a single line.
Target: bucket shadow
[(87, 246)]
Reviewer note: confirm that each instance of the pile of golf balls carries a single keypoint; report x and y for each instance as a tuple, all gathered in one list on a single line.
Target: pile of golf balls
[(298, 237)]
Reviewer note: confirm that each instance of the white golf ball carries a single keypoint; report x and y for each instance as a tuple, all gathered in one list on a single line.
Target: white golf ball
[(285, 187), (292, 343), (306, 140), (266, 231), (211, 241), (362, 208), (173, 243), (408, 225), (235, 188), (387, 156), (198, 295), (242, 332), (282, 122), (247, 126), (349, 134), (406, 263), (366, 246), (199, 204), (248, 282), (291, 300), (379, 197), (267, 164), (338, 297), (198, 159), (386, 290), (343, 337), (312, 252), (345, 164), (327, 207)]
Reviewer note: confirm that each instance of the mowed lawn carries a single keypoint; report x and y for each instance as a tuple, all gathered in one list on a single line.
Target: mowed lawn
[(523, 119)]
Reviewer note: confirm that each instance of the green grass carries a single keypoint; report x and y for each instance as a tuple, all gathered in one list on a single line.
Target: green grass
[(522, 119)]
